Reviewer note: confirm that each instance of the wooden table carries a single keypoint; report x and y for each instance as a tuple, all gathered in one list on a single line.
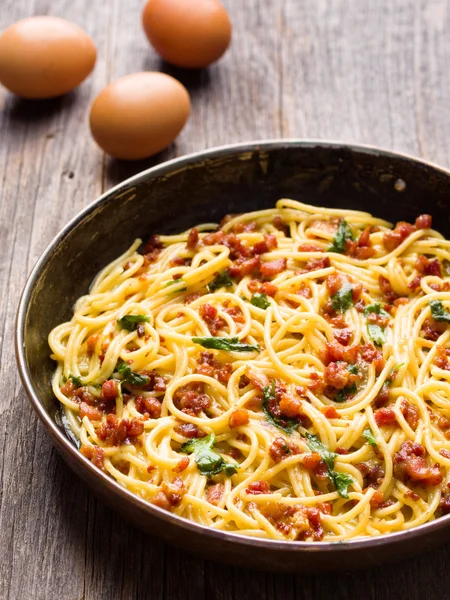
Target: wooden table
[(376, 72)]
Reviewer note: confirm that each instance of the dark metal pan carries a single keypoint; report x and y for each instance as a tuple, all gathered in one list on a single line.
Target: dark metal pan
[(200, 188)]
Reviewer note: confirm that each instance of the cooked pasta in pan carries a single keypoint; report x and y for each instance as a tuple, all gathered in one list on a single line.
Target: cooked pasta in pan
[(284, 375)]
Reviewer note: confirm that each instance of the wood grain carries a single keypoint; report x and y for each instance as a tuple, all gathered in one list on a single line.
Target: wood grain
[(359, 71)]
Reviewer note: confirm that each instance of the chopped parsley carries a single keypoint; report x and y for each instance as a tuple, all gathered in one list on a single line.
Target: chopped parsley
[(368, 434), (222, 280), (130, 376), (173, 282), (208, 462), (286, 424), (76, 380), (341, 481), (343, 234), (342, 395), (375, 331), (222, 343), (353, 369), (260, 301), (130, 322), (438, 311), (342, 300), (376, 334)]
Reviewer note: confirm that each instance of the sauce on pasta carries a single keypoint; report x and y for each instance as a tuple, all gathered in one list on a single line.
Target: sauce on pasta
[(283, 375)]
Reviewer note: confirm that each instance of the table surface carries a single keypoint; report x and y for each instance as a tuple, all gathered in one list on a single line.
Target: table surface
[(355, 70)]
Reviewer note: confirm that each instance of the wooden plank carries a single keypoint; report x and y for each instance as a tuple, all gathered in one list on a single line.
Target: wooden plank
[(359, 71)]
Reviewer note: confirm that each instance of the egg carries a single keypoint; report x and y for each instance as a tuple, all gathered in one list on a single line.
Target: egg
[(45, 57), (191, 34), (139, 115)]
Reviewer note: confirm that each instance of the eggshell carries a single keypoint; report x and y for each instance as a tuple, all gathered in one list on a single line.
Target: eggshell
[(44, 57), (190, 34), (139, 115)]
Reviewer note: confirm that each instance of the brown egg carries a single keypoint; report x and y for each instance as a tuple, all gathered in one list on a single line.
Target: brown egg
[(44, 57), (187, 33), (139, 115)]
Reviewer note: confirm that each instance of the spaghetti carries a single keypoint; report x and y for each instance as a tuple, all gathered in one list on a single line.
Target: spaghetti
[(285, 375)]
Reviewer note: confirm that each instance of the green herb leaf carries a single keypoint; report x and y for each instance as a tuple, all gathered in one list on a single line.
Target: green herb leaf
[(342, 300), (353, 369), (376, 334), (222, 343), (130, 376), (446, 265), (367, 433), (260, 301), (341, 481), (288, 425), (76, 380), (208, 462), (438, 311), (130, 322), (342, 395), (375, 308), (343, 234), (222, 280), (315, 445)]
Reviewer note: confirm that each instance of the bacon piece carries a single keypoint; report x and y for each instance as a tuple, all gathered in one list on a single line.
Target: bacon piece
[(174, 490), (154, 243), (160, 499), (377, 499), (83, 395), (316, 263), (304, 291), (343, 336), (309, 248), (95, 454), (181, 465), (290, 406), (281, 448), (385, 416), (189, 400), (386, 289), (238, 418), (68, 389), (114, 432), (424, 222), (109, 390), (189, 430), (445, 453), (373, 356), (334, 283), (316, 383), (273, 267), (245, 227), (279, 224), (91, 342), (432, 330), (311, 461), (444, 503), (148, 405), (269, 243), (410, 412), (410, 463), (337, 375), (192, 240), (330, 412), (242, 267), (209, 314), (393, 239), (258, 487), (236, 314), (93, 414), (215, 493)]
